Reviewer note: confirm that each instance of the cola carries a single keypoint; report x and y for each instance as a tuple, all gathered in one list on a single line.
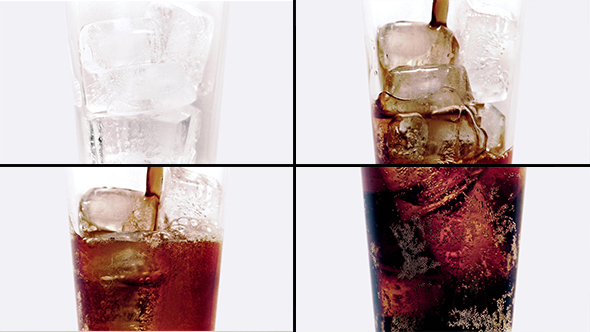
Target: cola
[(148, 259), (443, 246), (145, 280)]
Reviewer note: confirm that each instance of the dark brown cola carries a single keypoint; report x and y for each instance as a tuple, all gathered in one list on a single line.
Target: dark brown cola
[(443, 246), (143, 281)]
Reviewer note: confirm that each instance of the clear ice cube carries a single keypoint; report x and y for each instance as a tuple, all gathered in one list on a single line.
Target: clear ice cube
[(187, 35), (117, 210), (140, 88), (415, 44), (154, 138), (188, 193), (493, 122), (105, 45), (447, 98), (453, 136), (487, 38), (417, 82)]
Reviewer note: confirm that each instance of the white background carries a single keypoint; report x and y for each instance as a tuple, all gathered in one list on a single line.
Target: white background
[(36, 104), (37, 281), (332, 101), (333, 283)]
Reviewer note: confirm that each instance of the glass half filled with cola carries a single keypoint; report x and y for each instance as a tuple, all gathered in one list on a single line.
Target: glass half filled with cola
[(147, 79), (146, 246), (443, 246), (443, 79)]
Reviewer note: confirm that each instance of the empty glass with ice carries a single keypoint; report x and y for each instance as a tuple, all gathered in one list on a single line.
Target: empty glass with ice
[(147, 80), (146, 247), (442, 79)]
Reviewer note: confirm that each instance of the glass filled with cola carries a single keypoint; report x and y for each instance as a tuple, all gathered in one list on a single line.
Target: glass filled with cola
[(443, 79), (443, 246), (146, 246), (147, 80)]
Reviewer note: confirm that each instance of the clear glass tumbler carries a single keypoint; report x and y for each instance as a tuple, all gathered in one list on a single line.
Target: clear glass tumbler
[(442, 79), (146, 245), (147, 79), (443, 246)]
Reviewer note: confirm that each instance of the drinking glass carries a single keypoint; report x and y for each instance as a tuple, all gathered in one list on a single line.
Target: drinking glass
[(443, 79), (147, 79), (443, 246), (146, 245)]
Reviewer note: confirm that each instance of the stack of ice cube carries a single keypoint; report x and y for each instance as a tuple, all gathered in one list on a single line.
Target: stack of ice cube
[(142, 64), (434, 106)]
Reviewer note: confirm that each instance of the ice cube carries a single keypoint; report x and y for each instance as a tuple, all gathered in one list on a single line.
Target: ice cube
[(487, 39), (129, 264), (417, 82), (493, 122), (462, 238), (446, 98), (438, 187), (116, 210), (189, 193), (453, 136), (406, 300), (415, 44), (388, 106), (140, 88), (187, 34), (105, 45), (122, 258), (153, 138), (407, 137)]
